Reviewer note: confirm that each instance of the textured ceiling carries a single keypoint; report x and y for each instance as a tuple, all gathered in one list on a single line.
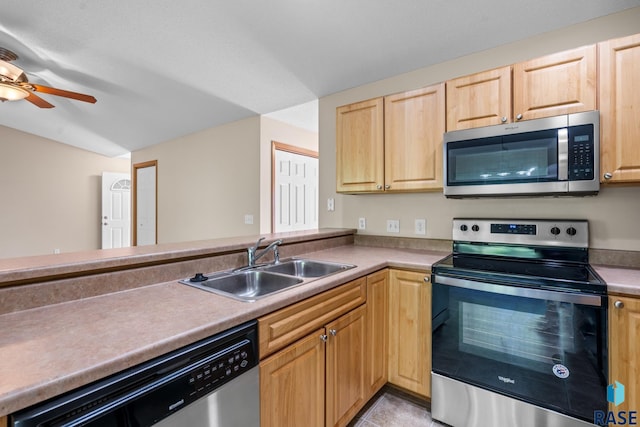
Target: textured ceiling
[(162, 69)]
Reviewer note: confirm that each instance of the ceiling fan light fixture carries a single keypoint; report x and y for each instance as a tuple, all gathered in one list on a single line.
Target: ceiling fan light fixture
[(10, 71), (10, 92)]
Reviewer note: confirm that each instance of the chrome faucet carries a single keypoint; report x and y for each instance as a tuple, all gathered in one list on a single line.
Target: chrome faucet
[(253, 256)]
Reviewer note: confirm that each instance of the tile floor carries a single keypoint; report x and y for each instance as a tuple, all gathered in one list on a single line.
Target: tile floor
[(392, 408)]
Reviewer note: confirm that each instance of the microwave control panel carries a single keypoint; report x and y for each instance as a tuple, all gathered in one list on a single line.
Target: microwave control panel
[(581, 155)]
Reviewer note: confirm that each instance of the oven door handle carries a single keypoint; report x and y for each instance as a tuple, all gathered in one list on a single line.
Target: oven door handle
[(517, 291)]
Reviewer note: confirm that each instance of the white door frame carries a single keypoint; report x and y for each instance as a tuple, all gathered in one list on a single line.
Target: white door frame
[(279, 146)]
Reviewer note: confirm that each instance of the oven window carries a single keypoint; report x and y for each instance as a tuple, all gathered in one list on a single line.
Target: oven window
[(546, 352), (534, 334), (529, 157)]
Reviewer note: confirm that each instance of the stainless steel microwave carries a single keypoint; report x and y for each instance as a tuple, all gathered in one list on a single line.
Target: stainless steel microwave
[(552, 156)]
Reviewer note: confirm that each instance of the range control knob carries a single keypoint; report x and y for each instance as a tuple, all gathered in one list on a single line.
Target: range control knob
[(475, 227), (464, 227), (571, 231), (555, 231)]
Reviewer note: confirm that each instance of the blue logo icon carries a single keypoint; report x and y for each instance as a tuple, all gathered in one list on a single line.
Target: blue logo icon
[(615, 394)]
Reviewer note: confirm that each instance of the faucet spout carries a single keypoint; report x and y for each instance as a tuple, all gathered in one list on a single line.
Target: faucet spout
[(253, 255)]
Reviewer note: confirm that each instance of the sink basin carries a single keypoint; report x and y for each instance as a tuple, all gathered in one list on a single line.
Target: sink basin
[(252, 283), (306, 268), (246, 285)]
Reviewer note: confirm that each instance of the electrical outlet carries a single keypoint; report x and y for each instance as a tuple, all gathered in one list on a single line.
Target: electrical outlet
[(331, 206), (393, 226), (362, 223), (420, 226), (248, 219)]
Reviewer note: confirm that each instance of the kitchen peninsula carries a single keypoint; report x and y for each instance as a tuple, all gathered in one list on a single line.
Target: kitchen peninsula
[(70, 319)]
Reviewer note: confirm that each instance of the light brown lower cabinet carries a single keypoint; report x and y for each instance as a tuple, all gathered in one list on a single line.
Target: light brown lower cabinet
[(292, 384), (319, 379), (624, 349), (410, 331), (292, 381), (377, 330), (326, 376)]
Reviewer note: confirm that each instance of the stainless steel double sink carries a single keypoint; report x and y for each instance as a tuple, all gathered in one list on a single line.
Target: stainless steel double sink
[(251, 283)]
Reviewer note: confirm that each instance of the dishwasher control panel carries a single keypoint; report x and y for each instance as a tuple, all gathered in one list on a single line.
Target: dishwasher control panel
[(223, 368)]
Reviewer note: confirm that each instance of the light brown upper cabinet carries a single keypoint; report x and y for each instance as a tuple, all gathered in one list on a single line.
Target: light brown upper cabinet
[(392, 143), (481, 99), (413, 126), (360, 146), (619, 74), (560, 83)]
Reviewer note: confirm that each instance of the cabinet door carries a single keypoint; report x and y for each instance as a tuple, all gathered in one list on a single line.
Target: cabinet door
[(410, 331), (480, 99), (292, 388), (345, 367), (561, 83), (620, 109), (624, 349), (413, 125), (360, 146), (377, 331)]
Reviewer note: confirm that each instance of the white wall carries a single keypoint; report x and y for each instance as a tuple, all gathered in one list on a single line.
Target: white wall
[(207, 182), (613, 213), (50, 195)]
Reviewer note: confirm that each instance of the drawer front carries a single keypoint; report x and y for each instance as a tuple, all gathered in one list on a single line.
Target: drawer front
[(281, 328)]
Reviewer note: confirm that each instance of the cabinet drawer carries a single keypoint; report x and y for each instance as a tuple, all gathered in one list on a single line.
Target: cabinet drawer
[(281, 328)]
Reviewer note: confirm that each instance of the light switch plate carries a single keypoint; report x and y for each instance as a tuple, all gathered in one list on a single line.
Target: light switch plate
[(420, 226), (248, 219), (331, 206)]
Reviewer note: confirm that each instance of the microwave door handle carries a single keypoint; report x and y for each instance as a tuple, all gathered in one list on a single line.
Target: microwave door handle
[(563, 154)]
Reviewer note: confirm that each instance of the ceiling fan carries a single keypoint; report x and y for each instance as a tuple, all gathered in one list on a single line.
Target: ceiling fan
[(15, 86)]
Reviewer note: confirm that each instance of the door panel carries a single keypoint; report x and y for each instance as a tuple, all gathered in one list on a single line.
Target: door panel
[(296, 191), (116, 210)]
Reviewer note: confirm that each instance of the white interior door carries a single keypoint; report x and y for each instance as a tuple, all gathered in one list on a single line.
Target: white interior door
[(116, 210), (296, 192), (146, 205)]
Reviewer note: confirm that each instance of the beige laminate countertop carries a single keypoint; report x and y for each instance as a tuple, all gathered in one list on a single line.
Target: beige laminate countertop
[(50, 350)]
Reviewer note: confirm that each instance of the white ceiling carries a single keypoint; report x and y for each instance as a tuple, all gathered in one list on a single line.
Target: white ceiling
[(162, 69)]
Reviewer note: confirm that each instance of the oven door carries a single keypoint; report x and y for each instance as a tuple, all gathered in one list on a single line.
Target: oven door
[(544, 347)]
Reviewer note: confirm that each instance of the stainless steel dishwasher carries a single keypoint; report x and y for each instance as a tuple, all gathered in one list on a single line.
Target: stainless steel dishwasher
[(213, 382)]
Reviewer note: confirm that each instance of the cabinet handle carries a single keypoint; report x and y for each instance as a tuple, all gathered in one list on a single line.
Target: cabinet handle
[(333, 332), (386, 187), (323, 338), (618, 304), (379, 187), (519, 117), (427, 279), (504, 119), (608, 175)]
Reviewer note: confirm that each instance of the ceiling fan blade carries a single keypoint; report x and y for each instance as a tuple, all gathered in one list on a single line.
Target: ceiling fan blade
[(36, 100), (65, 93)]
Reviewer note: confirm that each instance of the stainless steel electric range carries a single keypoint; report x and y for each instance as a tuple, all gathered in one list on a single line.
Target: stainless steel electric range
[(519, 326)]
